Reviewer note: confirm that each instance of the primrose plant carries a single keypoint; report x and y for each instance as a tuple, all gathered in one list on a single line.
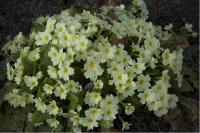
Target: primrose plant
[(91, 68)]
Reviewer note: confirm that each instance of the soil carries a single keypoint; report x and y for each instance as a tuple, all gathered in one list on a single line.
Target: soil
[(17, 16)]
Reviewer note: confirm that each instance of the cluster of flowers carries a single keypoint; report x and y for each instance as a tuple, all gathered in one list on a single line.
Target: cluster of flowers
[(84, 53)]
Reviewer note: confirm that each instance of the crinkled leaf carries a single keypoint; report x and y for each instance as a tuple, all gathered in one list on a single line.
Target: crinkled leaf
[(180, 41), (174, 118), (176, 41), (192, 76), (81, 96), (49, 81), (192, 105), (134, 100), (105, 124), (12, 120), (73, 101), (37, 27), (45, 59), (186, 87), (15, 56), (28, 66), (152, 71), (43, 128), (38, 117)]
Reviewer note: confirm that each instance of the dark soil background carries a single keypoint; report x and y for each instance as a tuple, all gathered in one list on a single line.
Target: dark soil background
[(17, 16)]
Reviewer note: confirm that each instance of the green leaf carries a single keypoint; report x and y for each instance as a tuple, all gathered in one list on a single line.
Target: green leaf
[(73, 101), (152, 71), (45, 59), (105, 123), (134, 100), (37, 27), (38, 117), (49, 81), (81, 96), (28, 66), (15, 56), (184, 32)]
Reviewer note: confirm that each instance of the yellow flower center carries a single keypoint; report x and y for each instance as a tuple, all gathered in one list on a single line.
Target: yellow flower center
[(106, 50), (46, 38), (65, 70), (90, 120), (65, 37), (82, 44), (61, 30), (94, 112), (146, 95), (109, 102), (141, 82), (136, 66), (119, 77), (118, 52), (62, 90), (91, 64)]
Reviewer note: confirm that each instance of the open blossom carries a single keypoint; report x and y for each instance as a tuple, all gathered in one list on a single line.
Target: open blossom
[(50, 24), (110, 101), (188, 27), (57, 57), (107, 51), (65, 39), (10, 72), (138, 67), (125, 126), (90, 123), (129, 109), (52, 108), (143, 82), (12, 97), (53, 122), (60, 28), (43, 38), (52, 72), (65, 71), (98, 84), (168, 58), (73, 87), (120, 78), (31, 82), (147, 96), (95, 113), (61, 92), (70, 55), (81, 43), (92, 98), (53, 54), (40, 105), (93, 69), (48, 89), (34, 55)]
